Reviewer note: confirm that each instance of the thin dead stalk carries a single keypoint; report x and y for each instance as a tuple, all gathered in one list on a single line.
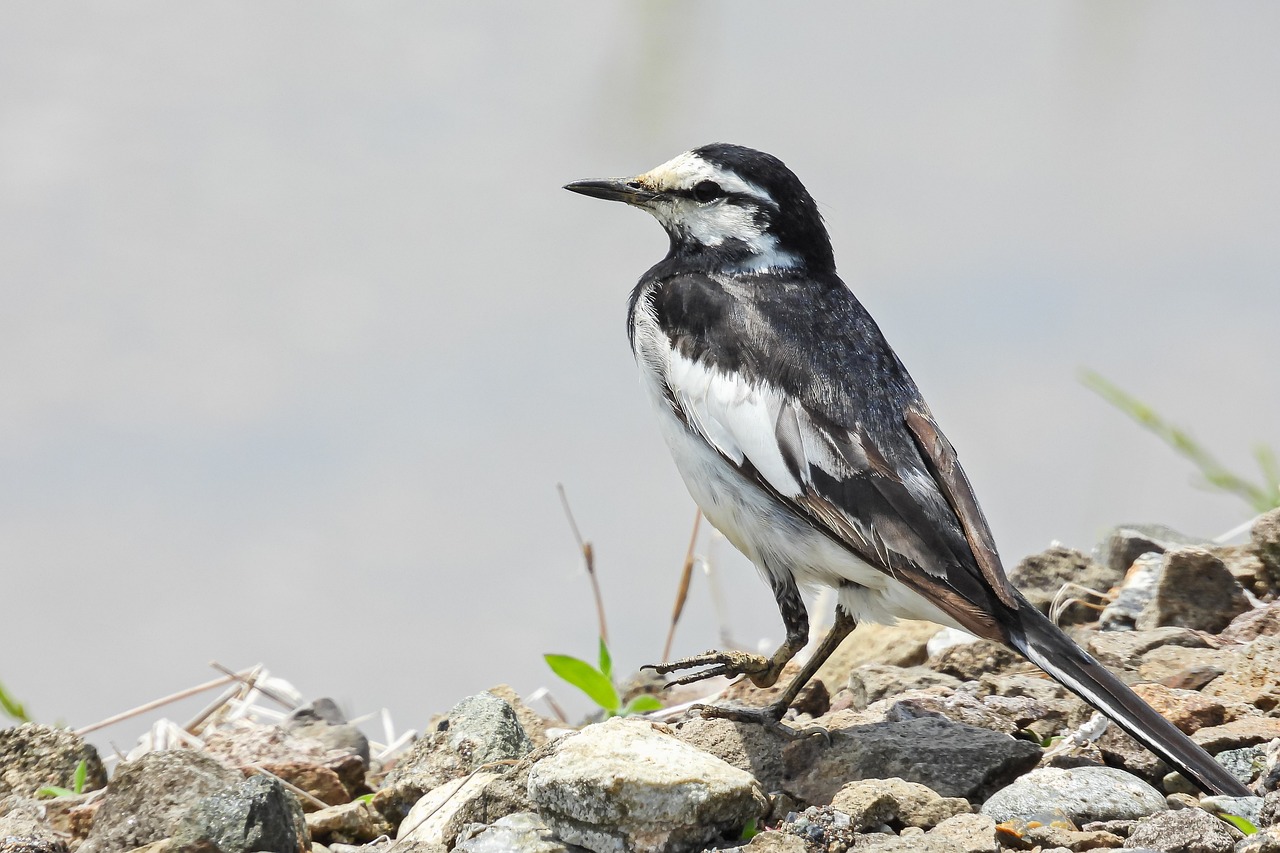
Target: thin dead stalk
[(159, 703), (682, 591), (588, 558)]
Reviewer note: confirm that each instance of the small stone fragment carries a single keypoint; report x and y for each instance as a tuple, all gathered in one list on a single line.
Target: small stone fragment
[(872, 802), (1182, 831), (349, 823), (1263, 841)]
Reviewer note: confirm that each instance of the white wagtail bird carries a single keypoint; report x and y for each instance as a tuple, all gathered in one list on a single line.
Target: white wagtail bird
[(803, 439)]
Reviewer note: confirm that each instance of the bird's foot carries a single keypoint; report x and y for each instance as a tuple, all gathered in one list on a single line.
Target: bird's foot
[(762, 671), (769, 717)]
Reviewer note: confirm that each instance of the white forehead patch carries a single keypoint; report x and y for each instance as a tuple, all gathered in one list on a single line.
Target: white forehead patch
[(688, 170), (713, 223)]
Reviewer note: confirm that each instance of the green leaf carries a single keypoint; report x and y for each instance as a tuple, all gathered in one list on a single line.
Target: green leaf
[(12, 706), (606, 662), (365, 798), (586, 678), (77, 780), (1239, 823), (49, 791), (642, 703), (750, 830)]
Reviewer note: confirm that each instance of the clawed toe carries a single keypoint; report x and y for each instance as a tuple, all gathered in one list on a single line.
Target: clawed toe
[(769, 717), (760, 670)]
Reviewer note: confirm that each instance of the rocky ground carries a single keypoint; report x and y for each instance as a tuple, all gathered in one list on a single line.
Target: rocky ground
[(921, 740)]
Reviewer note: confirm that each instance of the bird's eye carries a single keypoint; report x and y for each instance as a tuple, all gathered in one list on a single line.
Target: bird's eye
[(705, 191)]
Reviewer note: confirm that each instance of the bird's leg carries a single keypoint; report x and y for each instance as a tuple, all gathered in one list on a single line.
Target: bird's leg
[(772, 714), (763, 671)]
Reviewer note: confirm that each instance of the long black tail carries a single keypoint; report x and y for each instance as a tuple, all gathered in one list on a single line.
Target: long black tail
[(1044, 644)]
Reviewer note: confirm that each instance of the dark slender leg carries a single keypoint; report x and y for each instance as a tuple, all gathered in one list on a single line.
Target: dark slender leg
[(772, 713), (763, 671)]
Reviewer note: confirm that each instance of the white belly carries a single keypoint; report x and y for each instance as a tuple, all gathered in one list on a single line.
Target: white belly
[(775, 540)]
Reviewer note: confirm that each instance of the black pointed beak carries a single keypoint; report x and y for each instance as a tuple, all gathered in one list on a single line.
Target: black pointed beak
[(613, 189)]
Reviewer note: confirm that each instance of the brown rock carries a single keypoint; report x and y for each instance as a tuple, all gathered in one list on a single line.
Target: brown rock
[(1040, 577), (1195, 591), (971, 661), (1122, 651), (1252, 675), (317, 780), (1187, 710), (349, 823), (1245, 731), (1254, 623), (1192, 678), (872, 682)]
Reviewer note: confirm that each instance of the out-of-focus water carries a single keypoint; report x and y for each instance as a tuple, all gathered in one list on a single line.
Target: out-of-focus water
[(299, 331)]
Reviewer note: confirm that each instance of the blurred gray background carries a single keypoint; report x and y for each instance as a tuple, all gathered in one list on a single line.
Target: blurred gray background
[(299, 331)]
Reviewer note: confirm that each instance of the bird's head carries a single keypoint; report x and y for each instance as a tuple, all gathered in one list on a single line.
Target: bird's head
[(729, 208)]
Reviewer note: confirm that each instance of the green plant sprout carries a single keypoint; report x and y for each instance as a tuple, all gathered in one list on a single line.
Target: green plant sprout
[(1240, 823), (77, 784), (12, 707), (1261, 497), (597, 683)]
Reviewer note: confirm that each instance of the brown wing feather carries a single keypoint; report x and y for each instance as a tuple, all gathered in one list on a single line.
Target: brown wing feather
[(950, 477)]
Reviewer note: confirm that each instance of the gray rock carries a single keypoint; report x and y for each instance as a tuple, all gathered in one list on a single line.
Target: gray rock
[(258, 814), (1136, 591), (1265, 540), (628, 785), (873, 682), (872, 802), (23, 828), (524, 832), (148, 797), (1040, 577), (1127, 542), (970, 833), (1083, 794), (1249, 808), (1269, 815), (1246, 763), (953, 759), (747, 746), (480, 729), (1182, 831), (33, 756), (1194, 591)]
